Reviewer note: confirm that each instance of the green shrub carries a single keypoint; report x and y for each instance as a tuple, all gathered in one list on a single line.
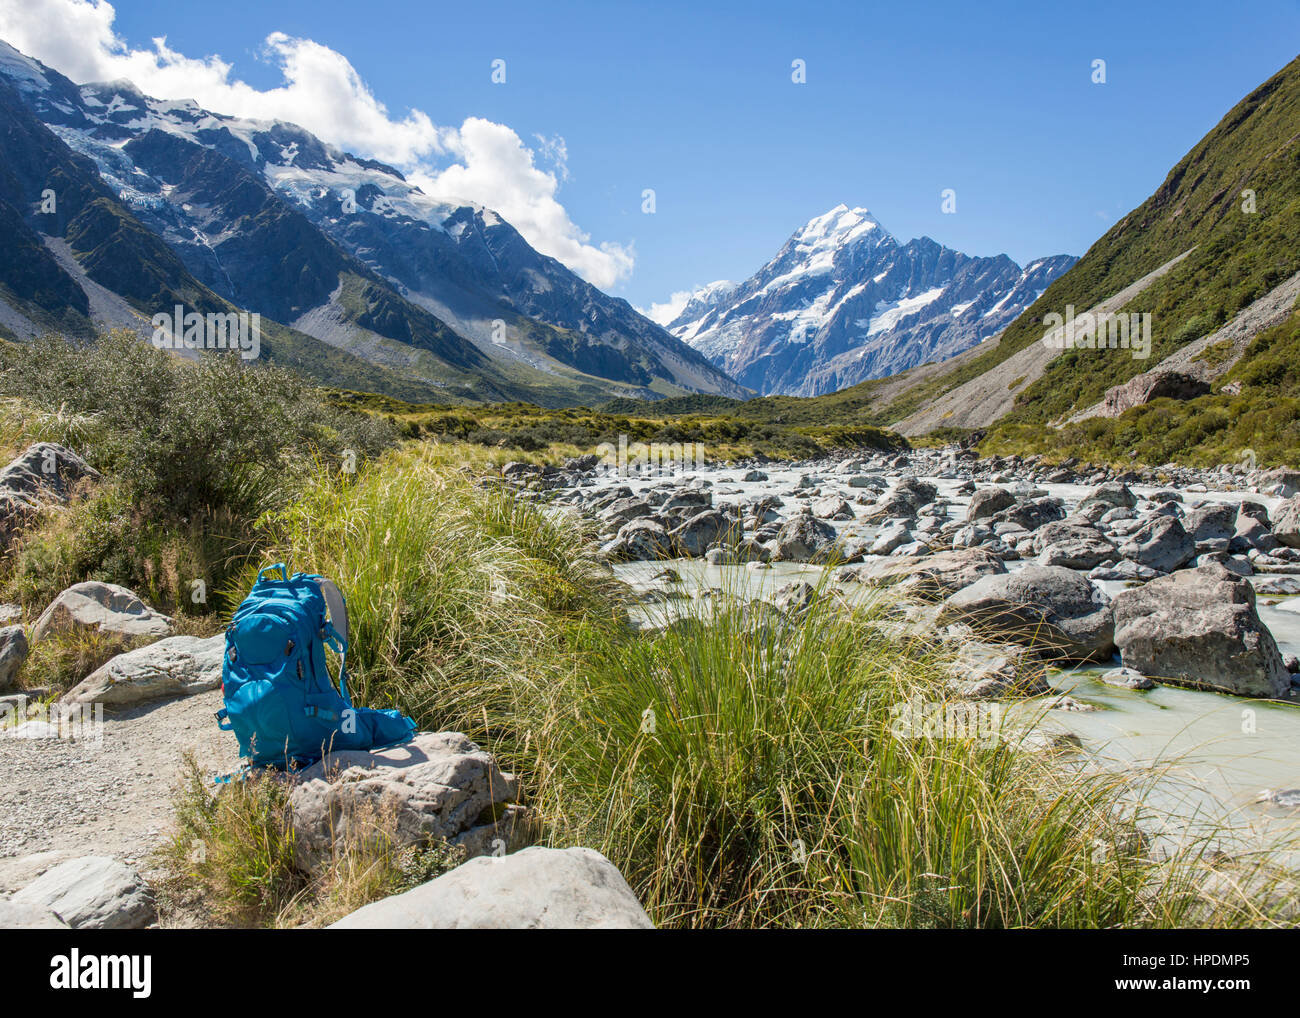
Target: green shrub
[(187, 436)]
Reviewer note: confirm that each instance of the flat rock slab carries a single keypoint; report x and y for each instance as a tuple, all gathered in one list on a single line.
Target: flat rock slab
[(536, 889), (176, 666), (92, 893)]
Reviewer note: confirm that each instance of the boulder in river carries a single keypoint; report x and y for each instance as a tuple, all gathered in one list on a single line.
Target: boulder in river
[(1161, 543), (1199, 627), (1071, 544), (803, 538), (1286, 522), (1050, 608), (933, 576), (987, 501), (1111, 493)]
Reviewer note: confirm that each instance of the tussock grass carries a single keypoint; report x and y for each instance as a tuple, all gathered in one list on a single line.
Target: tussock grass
[(446, 582)]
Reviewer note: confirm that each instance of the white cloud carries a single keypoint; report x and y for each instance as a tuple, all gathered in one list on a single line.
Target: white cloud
[(322, 91), (663, 312)]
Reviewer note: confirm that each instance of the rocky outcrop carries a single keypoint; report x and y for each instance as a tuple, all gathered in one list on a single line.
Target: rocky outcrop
[(437, 787), (536, 889), (1161, 383), (176, 666), (1199, 627)]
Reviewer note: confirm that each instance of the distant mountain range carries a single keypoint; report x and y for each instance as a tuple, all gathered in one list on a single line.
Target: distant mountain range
[(843, 301), (362, 280)]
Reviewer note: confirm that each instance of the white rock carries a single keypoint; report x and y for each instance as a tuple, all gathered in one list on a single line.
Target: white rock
[(538, 888), (177, 666), (24, 916), (104, 607), (92, 893)]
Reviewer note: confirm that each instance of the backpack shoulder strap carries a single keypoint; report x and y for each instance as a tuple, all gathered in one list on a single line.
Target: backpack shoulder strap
[(335, 604), (337, 629)]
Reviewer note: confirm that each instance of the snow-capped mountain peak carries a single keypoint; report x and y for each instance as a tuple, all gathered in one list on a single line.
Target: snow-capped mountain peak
[(844, 301)]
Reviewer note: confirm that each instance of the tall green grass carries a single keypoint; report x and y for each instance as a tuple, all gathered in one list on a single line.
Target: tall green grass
[(743, 770), (447, 582)]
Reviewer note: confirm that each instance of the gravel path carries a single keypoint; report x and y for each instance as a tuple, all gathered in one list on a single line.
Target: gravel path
[(107, 798)]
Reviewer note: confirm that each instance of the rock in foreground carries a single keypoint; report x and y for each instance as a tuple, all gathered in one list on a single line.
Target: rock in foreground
[(536, 889), (177, 666), (92, 893), (438, 786)]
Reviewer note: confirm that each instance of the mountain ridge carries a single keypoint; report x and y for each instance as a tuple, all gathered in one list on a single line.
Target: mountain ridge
[(843, 301), (274, 220)]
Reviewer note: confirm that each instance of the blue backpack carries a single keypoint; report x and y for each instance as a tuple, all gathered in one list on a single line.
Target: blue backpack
[(279, 698)]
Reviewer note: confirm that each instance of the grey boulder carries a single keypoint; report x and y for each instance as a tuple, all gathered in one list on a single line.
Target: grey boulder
[(1160, 543), (104, 608), (803, 538), (13, 652), (1199, 627), (437, 787), (176, 666), (92, 893), (1049, 608), (536, 889)]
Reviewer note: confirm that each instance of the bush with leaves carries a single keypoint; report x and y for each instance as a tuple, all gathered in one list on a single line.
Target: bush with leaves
[(188, 437)]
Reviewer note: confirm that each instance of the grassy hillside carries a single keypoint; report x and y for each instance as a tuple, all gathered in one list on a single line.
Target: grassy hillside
[(1238, 257), (728, 429)]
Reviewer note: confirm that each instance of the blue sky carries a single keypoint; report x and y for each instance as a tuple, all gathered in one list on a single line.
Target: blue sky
[(994, 100)]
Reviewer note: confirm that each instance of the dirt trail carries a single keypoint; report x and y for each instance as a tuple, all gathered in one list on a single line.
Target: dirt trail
[(111, 797)]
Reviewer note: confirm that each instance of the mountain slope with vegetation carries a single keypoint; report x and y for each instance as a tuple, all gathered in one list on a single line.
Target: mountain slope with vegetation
[(1232, 204)]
